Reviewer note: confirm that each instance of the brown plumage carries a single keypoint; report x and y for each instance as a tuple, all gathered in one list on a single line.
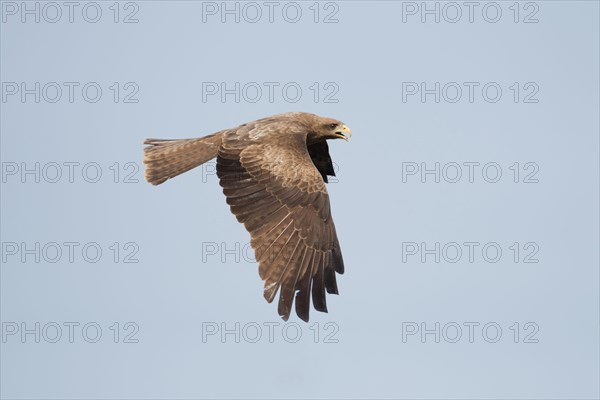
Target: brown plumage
[(273, 173)]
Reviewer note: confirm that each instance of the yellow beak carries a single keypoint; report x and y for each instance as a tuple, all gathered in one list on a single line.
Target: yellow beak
[(345, 133)]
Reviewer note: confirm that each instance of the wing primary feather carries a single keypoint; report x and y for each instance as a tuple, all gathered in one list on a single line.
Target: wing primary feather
[(288, 283), (330, 281), (272, 285), (318, 288), (303, 294)]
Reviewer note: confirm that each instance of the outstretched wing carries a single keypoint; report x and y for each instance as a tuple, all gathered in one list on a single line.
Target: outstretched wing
[(275, 190)]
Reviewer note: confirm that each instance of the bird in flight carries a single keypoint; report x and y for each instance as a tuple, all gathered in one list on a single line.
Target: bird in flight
[(273, 173)]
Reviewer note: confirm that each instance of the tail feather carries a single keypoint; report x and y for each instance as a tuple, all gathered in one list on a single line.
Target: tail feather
[(165, 158)]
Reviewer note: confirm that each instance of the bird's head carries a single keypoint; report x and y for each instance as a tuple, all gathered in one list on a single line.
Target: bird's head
[(327, 128)]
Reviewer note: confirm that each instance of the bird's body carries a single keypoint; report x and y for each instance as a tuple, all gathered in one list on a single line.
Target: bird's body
[(273, 173)]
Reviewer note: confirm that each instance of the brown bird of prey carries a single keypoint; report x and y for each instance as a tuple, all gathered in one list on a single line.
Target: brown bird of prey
[(273, 172)]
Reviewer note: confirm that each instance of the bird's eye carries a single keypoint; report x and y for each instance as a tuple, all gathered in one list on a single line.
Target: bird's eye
[(332, 126)]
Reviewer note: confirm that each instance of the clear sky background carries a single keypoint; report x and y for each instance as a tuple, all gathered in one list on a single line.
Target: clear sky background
[(418, 315)]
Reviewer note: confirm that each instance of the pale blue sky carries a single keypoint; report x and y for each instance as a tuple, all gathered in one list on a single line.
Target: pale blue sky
[(194, 272)]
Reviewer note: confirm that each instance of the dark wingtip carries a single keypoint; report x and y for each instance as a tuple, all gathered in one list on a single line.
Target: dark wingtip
[(303, 317), (301, 310), (302, 300), (285, 317), (320, 305), (283, 308), (338, 261), (330, 282)]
